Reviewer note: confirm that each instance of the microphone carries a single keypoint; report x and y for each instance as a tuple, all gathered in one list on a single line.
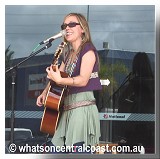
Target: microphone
[(60, 34)]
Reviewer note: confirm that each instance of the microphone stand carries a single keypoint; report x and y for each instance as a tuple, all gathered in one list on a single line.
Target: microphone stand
[(14, 69)]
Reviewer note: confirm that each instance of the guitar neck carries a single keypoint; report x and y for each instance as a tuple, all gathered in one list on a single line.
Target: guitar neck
[(58, 52)]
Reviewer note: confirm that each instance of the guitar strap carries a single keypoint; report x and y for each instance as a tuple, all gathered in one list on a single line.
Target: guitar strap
[(73, 65), (69, 68)]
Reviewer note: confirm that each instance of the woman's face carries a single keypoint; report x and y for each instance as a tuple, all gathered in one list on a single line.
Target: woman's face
[(74, 32)]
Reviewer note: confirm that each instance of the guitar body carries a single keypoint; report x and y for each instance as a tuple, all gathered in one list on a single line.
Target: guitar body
[(53, 103), (54, 100), (49, 121)]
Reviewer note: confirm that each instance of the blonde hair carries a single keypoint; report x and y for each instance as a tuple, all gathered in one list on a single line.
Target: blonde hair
[(86, 37)]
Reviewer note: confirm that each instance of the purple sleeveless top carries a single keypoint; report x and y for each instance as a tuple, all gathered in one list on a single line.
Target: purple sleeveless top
[(93, 83)]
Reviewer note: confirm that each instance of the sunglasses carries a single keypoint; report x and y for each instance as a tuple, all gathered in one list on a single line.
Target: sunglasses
[(71, 25)]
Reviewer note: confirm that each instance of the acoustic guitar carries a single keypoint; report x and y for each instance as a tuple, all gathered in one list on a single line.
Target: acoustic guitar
[(53, 100)]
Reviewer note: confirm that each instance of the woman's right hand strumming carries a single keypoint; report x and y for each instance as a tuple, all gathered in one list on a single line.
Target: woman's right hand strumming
[(41, 99)]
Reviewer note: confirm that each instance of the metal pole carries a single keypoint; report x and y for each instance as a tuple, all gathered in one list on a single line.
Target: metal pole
[(12, 109), (88, 13)]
